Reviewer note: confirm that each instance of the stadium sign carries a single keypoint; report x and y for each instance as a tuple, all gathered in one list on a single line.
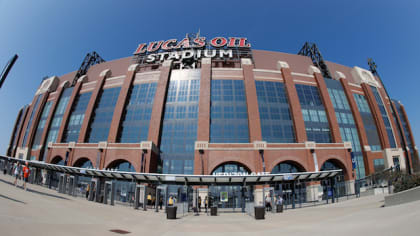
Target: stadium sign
[(190, 48)]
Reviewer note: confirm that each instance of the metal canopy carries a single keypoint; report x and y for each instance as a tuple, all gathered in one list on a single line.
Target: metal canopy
[(181, 179)]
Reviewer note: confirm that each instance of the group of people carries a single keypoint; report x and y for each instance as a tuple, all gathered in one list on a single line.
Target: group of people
[(199, 203), (21, 172), (151, 201), (278, 201)]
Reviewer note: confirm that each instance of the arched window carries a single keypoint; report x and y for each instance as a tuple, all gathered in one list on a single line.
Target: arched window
[(231, 168), (121, 165), (330, 165), (287, 167), (83, 163), (57, 161)]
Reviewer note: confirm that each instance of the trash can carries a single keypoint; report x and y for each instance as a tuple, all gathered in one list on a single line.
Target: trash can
[(279, 208), (213, 211), (259, 212), (171, 212)]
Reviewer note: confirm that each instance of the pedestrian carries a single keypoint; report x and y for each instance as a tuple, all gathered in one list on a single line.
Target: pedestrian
[(149, 199), (160, 202), (87, 190), (206, 203), (199, 204), (268, 203), (16, 172), (153, 201), (171, 201), (280, 200), (26, 173)]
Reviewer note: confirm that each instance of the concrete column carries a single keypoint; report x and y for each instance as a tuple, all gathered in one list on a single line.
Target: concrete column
[(70, 104), (258, 196), (292, 96), (350, 186), (254, 123), (329, 108), (121, 102), (313, 192), (92, 104)]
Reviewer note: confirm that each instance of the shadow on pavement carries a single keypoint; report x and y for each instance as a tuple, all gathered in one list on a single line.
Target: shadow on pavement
[(12, 199), (35, 191)]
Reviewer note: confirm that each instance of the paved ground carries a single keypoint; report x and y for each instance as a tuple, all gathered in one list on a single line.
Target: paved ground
[(41, 211)]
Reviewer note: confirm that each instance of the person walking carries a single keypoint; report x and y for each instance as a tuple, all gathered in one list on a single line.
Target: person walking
[(87, 190), (206, 203), (171, 201), (16, 172), (26, 173), (199, 204), (149, 199), (160, 202)]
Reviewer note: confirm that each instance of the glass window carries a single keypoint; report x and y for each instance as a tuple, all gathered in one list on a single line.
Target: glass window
[(35, 107), (77, 114), (229, 115), (136, 116), (41, 124), (102, 116), (368, 122), (316, 122), (179, 130)]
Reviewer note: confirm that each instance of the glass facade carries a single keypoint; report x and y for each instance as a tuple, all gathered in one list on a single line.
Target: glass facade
[(179, 131), (25, 137), (41, 124), (273, 105), (385, 118), (314, 116), (348, 129), (286, 167), (58, 115), (136, 116), (102, 116), (228, 112), (77, 114), (368, 122)]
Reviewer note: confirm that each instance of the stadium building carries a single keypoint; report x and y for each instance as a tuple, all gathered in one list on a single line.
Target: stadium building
[(216, 106)]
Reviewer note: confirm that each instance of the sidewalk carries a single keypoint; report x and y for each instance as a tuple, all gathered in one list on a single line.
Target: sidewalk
[(42, 211)]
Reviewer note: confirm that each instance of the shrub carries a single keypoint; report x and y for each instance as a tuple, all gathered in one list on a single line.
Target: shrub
[(403, 181)]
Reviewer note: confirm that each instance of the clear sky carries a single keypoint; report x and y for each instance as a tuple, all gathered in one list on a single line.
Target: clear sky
[(52, 37)]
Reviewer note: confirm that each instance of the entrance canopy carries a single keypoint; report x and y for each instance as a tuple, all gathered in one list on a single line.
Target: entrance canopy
[(152, 178)]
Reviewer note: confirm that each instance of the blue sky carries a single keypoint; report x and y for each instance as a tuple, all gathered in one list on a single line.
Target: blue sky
[(52, 37)]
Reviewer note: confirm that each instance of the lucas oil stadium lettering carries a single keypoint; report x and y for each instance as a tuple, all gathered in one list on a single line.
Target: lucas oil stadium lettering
[(191, 48)]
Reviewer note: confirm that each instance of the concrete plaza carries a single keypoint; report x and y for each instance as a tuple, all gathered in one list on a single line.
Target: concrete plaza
[(40, 211)]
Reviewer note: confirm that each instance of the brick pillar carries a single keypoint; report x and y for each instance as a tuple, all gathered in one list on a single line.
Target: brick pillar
[(203, 128), (12, 137), (70, 104), (404, 113), (92, 104), (19, 132), (329, 108), (26, 121), (252, 101), (295, 108), (377, 116), (399, 123), (121, 103), (359, 125), (35, 120), (157, 112)]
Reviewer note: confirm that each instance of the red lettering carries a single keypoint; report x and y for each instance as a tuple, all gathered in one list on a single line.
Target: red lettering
[(243, 44), (218, 42), (168, 43), (200, 42), (232, 42), (185, 43), (140, 49), (154, 46)]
